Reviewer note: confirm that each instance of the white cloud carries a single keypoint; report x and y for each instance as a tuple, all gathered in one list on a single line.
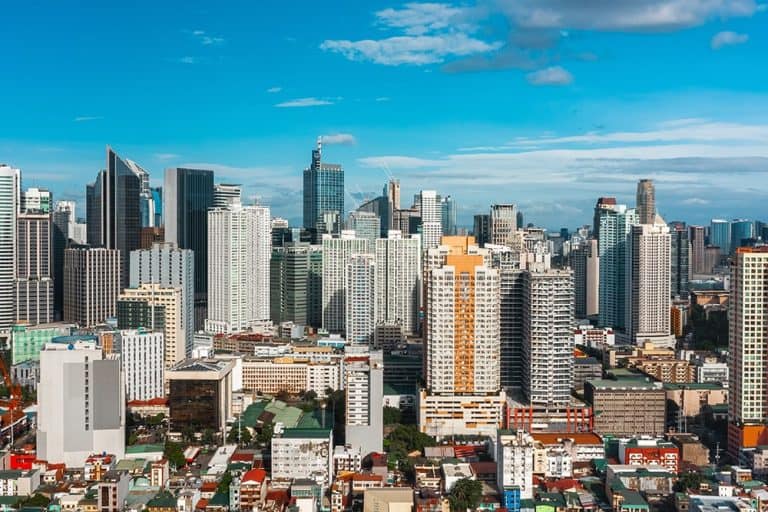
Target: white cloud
[(421, 18), (166, 156), (345, 139), (695, 201), (187, 60), (273, 90), (727, 38), (554, 75), (198, 32), (82, 119), (413, 50), (304, 102), (382, 98), (207, 39)]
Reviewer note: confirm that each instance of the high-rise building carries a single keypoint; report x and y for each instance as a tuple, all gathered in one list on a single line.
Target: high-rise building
[(698, 241), (63, 222), (366, 225), (503, 223), (240, 242), (360, 302), (114, 212), (139, 308), (336, 252), (548, 335), (720, 235), (323, 193), (81, 403), (398, 281), (431, 219), (378, 207), (167, 265), (35, 199), (10, 181), (680, 257), (748, 351), (741, 231), (92, 282), (520, 220), (585, 262), (141, 357), (448, 216), (648, 280), (482, 229), (34, 279), (289, 282), (603, 203), (200, 394), (226, 195), (364, 386), (188, 196), (646, 202), (614, 226), (392, 194), (406, 220), (281, 232)]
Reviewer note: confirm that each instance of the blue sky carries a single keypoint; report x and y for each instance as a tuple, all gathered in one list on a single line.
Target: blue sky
[(545, 103)]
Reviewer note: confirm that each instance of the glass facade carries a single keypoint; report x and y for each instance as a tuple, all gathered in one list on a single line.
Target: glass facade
[(720, 235), (323, 193), (194, 403), (741, 231)]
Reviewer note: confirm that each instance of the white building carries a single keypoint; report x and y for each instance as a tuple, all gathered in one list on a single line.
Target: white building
[(711, 372), (239, 250), (92, 277), (615, 223), (503, 224), (34, 268), (10, 179), (167, 265), (360, 317), (226, 195), (272, 375), (398, 281), (81, 404), (364, 385), (336, 252), (303, 453), (431, 219), (19, 483), (36, 199), (514, 461), (142, 358), (594, 337), (366, 225)]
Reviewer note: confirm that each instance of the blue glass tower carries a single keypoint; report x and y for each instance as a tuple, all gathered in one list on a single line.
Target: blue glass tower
[(720, 235), (323, 194), (741, 229)]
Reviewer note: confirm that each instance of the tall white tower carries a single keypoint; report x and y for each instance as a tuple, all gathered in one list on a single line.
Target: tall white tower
[(360, 303), (9, 206), (398, 281), (431, 219), (503, 223), (336, 252)]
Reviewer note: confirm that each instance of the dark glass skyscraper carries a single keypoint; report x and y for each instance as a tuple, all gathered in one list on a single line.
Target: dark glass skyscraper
[(187, 196), (680, 258), (323, 194)]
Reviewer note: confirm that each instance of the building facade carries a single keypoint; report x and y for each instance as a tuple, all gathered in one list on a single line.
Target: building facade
[(615, 223), (360, 316), (336, 253), (364, 386), (323, 193), (91, 284), (10, 180), (142, 359), (34, 270), (503, 223)]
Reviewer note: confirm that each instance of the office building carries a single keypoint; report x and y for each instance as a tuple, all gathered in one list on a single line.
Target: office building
[(392, 194), (748, 326), (300, 453), (448, 216), (10, 180), (240, 242), (292, 277), (720, 235), (614, 226), (336, 253), (34, 276), (293, 374), (603, 203), (323, 193), (364, 386), (628, 407), (166, 265), (200, 394), (548, 336), (38, 200), (646, 202), (63, 226), (680, 259), (366, 225), (360, 303), (114, 211), (188, 194), (28, 341), (141, 357), (503, 224), (81, 404), (431, 219), (585, 261), (698, 241), (159, 308), (481, 229), (398, 281), (742, 231), (226, 195), (648, 285), (92, 282), (377, 206)]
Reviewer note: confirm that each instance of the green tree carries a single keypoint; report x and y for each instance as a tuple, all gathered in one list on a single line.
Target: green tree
[(174, 452), (283, 395), (264, 436), (466, 494), (392, 415), (224, 483), (38, 500), (208, 436), (133, 438), (690, 480), (411, 438), (244, 436)]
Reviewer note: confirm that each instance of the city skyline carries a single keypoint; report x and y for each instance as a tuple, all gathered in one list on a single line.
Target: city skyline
[(488, 104)]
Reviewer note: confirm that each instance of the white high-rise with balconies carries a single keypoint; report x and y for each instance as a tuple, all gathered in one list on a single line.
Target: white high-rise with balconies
[(239, 250), (431, 219), (141, 356), (360, 319), (363, 374), (10, 180), (398, 281), (336, 253), (503, 224)]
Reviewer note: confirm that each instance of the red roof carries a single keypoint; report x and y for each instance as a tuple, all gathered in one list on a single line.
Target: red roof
[(209, 486), (241, 457), (201, 504), (362, 478), (254, 475), (280, 495), (159, 401), (563, 484), (556, 438)]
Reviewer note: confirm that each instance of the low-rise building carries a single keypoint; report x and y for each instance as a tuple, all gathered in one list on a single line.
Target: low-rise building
[(291, 374), (253, 489), (390, 499), (645, 451), (514, 459), (18, 482), (112, 491), (455, 471), (627, 407), (691, 399), (650, 479), (303, 453)]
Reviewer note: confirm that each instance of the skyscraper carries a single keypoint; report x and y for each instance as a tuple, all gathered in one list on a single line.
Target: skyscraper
[(680, 257), (10, 180), (336, 252), (114, 210), (378, 207), (188, 196), (36, 200), (741, 230), (291, 284), (226, 194), (448, 212), (398, 281), (240, 241), (431, 219), (360, 317), (648, 271), (585, 262), (364, 386), (63, 218), (720, 235), (748, 351), (698, 239), (323, 193), (603, 203), (646, 202), (392, 193), (34, 280), (167, 265), (482, 229), (91, 284), (366, 225), (614, 226), (503, 223)]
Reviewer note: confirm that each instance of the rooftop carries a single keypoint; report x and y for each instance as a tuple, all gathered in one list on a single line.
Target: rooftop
[(307, 433)]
